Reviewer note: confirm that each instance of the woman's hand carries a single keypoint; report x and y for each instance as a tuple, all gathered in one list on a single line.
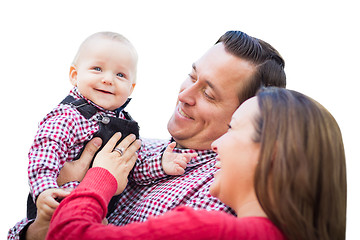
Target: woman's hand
[(76, 170), (120, 159)]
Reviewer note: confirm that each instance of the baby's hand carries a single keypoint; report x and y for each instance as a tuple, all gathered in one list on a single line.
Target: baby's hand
[(47, 202), (175, 163)]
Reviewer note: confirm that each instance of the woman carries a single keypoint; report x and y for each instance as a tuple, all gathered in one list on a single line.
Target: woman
[(280, 163)]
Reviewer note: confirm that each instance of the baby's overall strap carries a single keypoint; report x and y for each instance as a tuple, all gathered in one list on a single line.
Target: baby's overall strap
[(106, 130), (86, 109), (108, 126)]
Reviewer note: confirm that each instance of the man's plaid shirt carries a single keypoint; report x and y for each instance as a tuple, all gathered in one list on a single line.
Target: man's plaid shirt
[(151, 192)]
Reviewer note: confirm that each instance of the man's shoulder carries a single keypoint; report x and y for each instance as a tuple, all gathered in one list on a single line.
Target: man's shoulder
[(153, 143)]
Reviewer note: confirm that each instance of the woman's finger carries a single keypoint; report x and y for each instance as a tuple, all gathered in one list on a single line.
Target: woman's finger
[(60, 193), (45, 213), (125, 143), (89, 151), (131, 150), (109, 146)]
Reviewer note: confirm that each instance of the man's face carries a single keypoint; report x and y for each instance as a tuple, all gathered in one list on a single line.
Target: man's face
[(208, 98)]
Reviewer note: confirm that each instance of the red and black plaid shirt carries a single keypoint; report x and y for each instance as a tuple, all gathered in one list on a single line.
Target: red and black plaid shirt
[(60, 138), (151, 192)]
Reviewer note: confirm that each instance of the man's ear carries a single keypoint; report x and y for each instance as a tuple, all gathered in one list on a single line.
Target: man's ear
[(73, 75)]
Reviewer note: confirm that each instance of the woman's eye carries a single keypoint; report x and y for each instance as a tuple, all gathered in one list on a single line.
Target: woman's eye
[(97, 69), (120, 75)]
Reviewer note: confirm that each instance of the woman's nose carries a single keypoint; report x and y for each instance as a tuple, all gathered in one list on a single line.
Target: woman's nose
[(214, 146)]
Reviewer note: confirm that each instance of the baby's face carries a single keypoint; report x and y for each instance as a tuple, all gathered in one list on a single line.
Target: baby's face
[(105, 72)]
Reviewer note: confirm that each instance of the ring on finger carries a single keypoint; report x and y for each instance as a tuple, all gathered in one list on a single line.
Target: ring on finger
[(120, 151)]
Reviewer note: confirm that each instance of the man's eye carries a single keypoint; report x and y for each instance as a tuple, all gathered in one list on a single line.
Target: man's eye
[(97, 69), (207, 95), (192, 77), (120, 75)]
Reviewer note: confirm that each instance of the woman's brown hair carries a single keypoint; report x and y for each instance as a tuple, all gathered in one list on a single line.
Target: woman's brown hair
[(300, 179)]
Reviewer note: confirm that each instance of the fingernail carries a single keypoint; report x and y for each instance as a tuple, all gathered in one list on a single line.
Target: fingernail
[(97, 142)]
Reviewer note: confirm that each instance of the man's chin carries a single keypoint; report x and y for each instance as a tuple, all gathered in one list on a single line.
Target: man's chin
[(179, 138), (175, 130)]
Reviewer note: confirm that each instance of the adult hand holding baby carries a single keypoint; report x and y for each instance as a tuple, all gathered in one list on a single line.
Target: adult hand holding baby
[(120, 159)]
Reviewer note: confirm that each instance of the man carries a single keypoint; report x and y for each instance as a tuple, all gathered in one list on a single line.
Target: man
[(229, 73)]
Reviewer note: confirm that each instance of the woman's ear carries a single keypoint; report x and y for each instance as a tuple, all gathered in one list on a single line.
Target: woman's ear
[(73, 75)]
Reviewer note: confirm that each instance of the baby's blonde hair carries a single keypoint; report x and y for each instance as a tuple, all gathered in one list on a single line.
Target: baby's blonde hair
[(111, 36)]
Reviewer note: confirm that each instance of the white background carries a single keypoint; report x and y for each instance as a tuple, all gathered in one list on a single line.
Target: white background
[(319, 41)]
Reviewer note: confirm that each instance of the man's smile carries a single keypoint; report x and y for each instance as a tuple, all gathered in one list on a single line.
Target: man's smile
[(182, 113)]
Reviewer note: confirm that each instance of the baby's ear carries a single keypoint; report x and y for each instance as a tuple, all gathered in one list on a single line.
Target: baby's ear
[(132, 88), (73, 75)]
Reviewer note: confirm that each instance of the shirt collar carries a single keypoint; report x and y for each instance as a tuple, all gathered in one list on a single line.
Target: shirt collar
[(77, 95)]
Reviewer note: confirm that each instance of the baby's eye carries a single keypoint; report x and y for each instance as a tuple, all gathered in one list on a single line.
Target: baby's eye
[(97, 69), (120, 75)]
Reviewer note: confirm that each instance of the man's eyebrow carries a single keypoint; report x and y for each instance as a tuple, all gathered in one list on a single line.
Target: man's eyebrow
[(211, 85)]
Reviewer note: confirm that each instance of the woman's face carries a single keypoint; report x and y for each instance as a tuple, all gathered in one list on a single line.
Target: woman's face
[(237, 157)]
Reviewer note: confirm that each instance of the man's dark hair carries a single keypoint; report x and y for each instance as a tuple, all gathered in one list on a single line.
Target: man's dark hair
[(268, 62)]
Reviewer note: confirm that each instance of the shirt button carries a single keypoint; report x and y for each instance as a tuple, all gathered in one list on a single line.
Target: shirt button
[(105, 120)]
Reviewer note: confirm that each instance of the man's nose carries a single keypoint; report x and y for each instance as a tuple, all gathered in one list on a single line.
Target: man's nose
[(188, 94)]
